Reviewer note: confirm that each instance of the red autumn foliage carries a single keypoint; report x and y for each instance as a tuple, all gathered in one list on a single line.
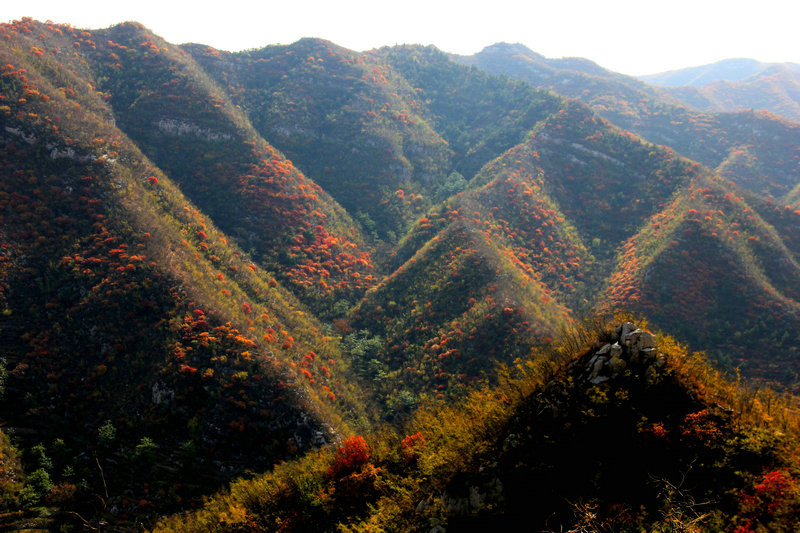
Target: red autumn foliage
[(352, 455), (412, 445)]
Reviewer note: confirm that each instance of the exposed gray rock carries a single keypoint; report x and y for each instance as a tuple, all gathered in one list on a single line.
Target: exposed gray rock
[(160, 393), (625, 329), (638, 340), (634, 349), (476, 498), (599, 362), (648, 354), (179, 128), (510, 442), (616, 350)]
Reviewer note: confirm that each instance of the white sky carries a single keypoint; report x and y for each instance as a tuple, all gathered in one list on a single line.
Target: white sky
[(629, 36)]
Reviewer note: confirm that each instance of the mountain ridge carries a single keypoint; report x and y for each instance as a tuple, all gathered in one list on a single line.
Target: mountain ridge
[(732, 70)]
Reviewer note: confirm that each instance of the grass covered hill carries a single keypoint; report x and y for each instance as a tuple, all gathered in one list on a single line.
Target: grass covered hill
[(543, 449)]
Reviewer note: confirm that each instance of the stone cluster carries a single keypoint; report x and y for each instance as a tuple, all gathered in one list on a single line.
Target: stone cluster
[(629, 346)]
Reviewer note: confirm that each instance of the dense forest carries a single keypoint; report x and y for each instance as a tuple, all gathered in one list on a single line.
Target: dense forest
[(303, 288)]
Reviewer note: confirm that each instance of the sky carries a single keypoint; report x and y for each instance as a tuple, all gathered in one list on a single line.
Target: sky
[(630, 36)]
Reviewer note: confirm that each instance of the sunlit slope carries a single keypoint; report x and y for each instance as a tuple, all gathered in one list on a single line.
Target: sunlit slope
[(186, 125), (606, 181), (710, 259), (124, 307), (565, 199), (448, 315), (543, 449), (513, 210)]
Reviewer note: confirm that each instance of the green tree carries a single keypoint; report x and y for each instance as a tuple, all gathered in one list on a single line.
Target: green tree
[(364, 351), (107, 433)]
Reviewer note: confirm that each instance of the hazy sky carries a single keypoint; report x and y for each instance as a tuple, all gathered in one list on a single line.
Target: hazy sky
[(629, 36)]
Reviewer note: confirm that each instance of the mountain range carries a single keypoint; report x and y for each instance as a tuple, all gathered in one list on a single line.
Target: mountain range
[(216, 264)]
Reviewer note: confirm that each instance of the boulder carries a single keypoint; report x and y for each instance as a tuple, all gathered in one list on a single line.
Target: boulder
[(638, 340), (616, 350), (625, 329), (599, 363), (648, 354)]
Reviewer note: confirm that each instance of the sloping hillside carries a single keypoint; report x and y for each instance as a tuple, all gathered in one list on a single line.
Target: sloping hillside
[(710, 258), (444, 319), (135, 334), (717, 140), (543, 450), (349, 121)]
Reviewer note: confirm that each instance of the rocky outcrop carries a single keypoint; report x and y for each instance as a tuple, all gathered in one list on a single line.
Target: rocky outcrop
[(629, 348), (179, 128)]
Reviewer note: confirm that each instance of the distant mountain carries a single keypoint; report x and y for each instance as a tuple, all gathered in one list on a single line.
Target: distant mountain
[(531, 59), (725, 70), (759, 151), (776, 88)]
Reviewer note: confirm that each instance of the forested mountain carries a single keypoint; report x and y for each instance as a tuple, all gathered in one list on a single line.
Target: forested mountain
[(213, 263), (757, 150)]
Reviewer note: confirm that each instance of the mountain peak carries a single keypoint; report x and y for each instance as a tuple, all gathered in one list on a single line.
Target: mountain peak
[(504, 47)]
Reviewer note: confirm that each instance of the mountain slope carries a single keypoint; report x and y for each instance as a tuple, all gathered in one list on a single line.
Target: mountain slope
[(715, 140), (449, 314), (542, 449), (479, 115), (349, 121), (512, 210), (564, 199), (99, 246), (709, 258), (189, 128)]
